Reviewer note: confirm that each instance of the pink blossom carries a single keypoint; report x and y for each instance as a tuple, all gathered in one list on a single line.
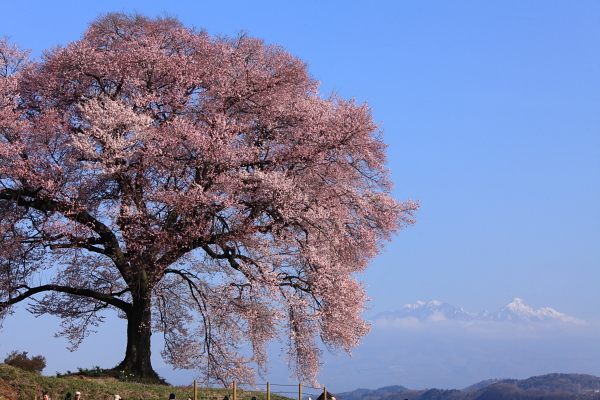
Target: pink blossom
[(201, 187)]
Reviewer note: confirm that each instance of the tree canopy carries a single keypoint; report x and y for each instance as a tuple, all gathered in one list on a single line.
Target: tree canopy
[(199, 186)]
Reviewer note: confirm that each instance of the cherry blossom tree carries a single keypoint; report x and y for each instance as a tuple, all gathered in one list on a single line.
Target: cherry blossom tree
[(200, 187)]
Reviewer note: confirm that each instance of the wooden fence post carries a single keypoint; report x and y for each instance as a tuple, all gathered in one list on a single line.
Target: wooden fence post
[(300, 391), (234, 390), (195, 389), (268, 390)]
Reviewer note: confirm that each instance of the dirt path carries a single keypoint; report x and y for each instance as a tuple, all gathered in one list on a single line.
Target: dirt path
[(7, 392)]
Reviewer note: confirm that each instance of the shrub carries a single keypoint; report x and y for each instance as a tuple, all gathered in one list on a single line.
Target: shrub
[(20, 360)]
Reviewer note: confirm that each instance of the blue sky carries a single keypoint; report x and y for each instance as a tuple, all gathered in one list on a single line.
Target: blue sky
[(491, 113)]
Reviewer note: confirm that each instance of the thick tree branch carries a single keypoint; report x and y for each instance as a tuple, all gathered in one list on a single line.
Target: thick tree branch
[(106, 298), (29, 198)]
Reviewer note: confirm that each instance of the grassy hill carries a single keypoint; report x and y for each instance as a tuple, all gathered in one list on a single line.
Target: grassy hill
[(364, 394), (16, 384)]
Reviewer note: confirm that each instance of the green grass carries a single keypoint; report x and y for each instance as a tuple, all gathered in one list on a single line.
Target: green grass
[(29, 386)]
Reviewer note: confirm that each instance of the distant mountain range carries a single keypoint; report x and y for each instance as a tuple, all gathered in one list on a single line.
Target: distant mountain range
[(550, 386), (363, 394), (515, 311)]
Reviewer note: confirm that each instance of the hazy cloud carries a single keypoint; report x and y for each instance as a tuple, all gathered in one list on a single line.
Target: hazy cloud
[(444, 353)]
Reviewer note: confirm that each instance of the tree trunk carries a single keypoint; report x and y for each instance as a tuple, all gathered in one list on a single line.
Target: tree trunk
[(137, 354)]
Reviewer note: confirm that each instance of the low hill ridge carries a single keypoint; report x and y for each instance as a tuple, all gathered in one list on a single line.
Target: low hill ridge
[(361, 394), (551, 386)]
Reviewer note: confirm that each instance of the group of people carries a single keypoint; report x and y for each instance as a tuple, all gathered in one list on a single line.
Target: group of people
[(46, 396), (77, 396), (172, 397)]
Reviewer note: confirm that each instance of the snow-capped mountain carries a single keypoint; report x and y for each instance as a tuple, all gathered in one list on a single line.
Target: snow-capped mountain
[(429, 311), (515, 311)]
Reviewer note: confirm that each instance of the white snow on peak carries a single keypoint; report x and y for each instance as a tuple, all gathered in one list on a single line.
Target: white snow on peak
[(549, 313), (518, 306), (416, 304)]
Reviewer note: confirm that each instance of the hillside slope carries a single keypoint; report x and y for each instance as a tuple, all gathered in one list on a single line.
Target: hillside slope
[(16, 384)]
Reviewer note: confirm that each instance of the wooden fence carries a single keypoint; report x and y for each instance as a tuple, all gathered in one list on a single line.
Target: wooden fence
[(284, 392)]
